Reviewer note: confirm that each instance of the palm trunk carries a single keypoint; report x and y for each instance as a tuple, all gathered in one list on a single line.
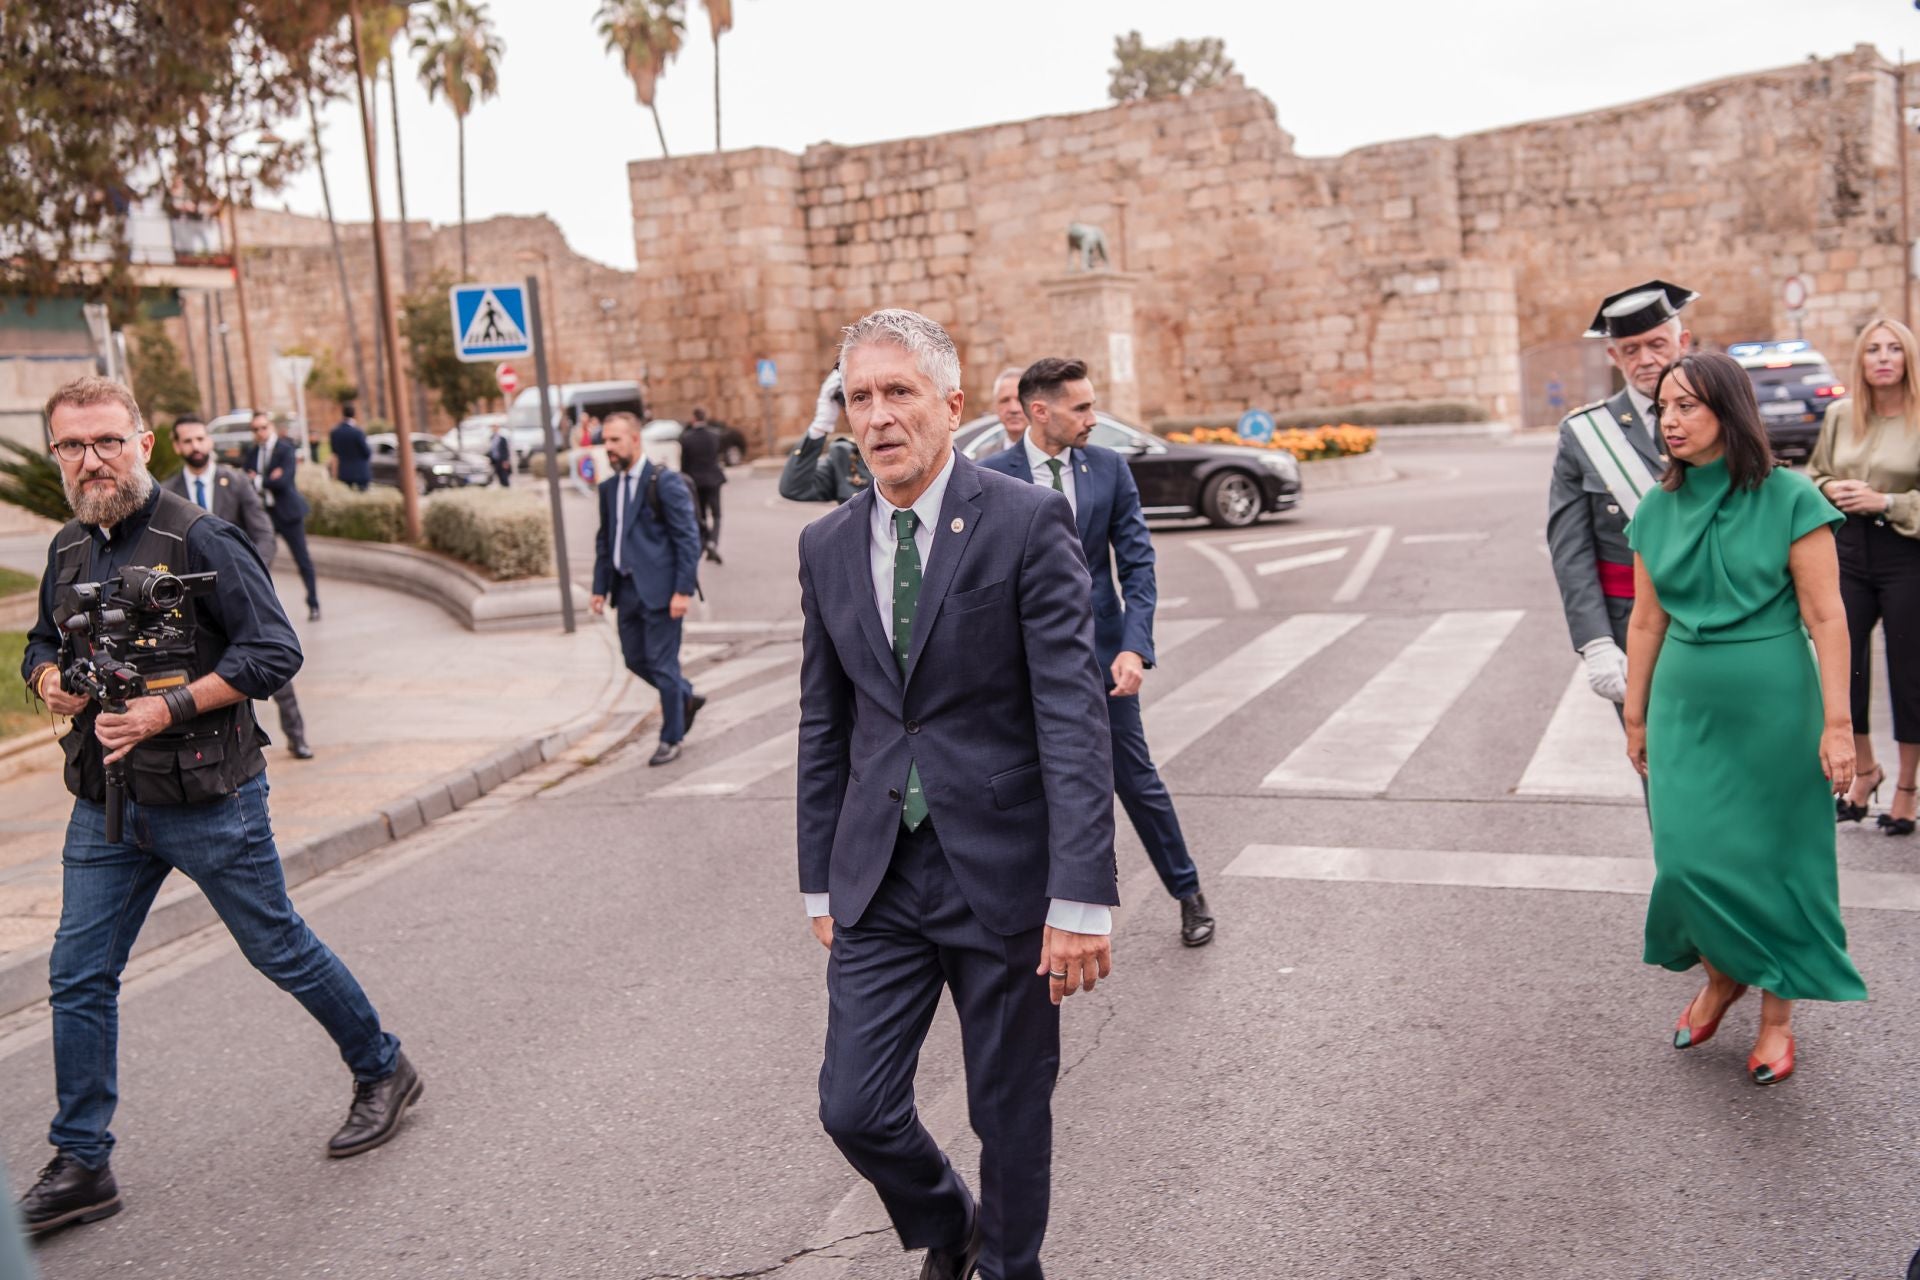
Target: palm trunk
[(419, 392), (716, 92), (461, 124), (339, 258), (658, 130)]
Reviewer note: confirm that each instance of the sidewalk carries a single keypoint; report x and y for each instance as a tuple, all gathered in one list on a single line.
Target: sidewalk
[(396, 696)]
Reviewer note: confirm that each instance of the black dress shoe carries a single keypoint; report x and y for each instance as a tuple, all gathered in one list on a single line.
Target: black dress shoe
[(961, 1264), (694, 703), (1196, 922), (68, 1192), (665, 753), (301, 751), (377, 1109), (713, 554)]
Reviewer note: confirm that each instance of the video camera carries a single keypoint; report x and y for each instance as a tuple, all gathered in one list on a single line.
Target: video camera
[(110, 630)]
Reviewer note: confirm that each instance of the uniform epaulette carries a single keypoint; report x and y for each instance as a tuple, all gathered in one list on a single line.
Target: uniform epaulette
[(1582, 409)]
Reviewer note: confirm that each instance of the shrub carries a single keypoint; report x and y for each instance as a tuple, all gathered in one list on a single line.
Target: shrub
[(341, 512), (503, 532), (1340, 441), (1386, 413)]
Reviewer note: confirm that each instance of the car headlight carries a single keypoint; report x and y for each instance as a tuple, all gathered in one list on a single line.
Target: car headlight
[(1281, 463), (442, 469)]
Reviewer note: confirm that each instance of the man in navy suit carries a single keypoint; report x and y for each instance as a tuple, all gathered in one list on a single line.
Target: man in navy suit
[(272, 462), (955, 820), (1057, 398), (646, 560)]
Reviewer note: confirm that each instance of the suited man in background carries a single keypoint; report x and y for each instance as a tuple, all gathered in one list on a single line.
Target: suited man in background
[(1006, 404), (352, 456), (700, 446), (272, 463), (955, 823), (228, 494), (1057, 400), (646, 563)]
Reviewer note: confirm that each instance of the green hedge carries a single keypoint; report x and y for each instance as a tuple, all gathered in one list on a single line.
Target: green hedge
[(1385, 413), (340, 512), (503, 532)]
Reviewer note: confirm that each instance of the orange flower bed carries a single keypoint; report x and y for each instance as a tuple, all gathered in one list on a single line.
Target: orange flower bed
[(1308, 445)]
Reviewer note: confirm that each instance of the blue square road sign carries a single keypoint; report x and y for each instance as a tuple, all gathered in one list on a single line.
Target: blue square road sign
[(490, 321)]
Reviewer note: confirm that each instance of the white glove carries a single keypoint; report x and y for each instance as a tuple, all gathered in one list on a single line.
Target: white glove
[(826, 410), (1606, 668)]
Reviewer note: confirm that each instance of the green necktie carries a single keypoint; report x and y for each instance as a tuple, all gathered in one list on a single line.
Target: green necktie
[(1054, 463), (906, 598)]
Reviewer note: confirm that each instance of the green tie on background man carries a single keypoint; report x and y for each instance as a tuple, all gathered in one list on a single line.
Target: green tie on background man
[(906, 598), (1053, 464)]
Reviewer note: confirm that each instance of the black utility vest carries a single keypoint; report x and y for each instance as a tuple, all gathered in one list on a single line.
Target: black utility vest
[(210, 755)]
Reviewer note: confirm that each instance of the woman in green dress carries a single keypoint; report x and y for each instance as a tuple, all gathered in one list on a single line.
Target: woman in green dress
[(1742, 737)]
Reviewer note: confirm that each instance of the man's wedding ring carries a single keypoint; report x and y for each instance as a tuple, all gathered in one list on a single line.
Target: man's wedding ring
[(1058, 977)]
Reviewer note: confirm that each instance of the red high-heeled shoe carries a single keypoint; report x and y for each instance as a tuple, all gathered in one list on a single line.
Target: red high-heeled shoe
[(1765, 1073), (1686, 1036)]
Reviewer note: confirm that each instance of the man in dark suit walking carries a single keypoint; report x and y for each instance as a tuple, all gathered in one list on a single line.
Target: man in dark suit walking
[(955, 817), (700, 446), (228, 494), (352, 456), (1057, 399), (646, 562), (500, 455), (272, 463)]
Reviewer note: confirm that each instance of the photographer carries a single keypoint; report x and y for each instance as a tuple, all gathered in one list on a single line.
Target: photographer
[(817, 471), (195, 792)]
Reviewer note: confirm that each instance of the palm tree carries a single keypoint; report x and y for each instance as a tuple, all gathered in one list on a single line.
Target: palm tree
[(459, 60), (646, 34), (339, 258), (720, 18)]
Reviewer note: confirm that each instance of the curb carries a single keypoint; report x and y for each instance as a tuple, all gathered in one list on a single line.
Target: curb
[(181, 909)]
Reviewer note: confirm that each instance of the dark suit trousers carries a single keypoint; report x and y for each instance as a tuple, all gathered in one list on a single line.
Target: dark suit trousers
[(650, 643), (293, 725), (884, 978), (1137, 782), (294, 534), (706, 499), (1880, 582)]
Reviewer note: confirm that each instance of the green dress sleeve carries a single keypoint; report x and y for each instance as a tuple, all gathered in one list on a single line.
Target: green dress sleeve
[(1807, 508)]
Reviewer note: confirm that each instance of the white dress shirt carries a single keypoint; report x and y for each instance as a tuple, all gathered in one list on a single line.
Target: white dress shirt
[(1037, 461), (1074, 917), (199, 477), (1643, 412)]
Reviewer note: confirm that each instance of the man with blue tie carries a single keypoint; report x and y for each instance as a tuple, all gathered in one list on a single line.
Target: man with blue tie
[(646, 562), (228, 494), (1057, 398), (955, 817)]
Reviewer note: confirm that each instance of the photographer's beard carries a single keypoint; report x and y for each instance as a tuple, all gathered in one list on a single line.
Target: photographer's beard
[(103, 507)]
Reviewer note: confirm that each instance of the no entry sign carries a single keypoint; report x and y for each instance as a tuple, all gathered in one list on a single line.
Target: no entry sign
[(509, 380)]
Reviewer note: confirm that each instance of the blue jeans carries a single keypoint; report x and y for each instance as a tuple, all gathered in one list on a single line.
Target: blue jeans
[(106, 891)]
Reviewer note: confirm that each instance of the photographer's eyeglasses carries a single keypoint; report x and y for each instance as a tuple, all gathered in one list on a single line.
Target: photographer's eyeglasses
[(106, 448)]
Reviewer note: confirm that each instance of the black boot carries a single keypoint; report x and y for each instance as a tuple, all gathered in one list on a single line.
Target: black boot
[(68, 1192), (377, 1109), (1196, 922), (956, 1264)]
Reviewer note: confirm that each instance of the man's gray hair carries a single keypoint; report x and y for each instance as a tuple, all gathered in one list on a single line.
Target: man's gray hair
[(1011, 371), (929, 344)]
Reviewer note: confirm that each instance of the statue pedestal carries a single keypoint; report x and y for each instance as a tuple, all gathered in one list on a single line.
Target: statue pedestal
[(1090, 316)]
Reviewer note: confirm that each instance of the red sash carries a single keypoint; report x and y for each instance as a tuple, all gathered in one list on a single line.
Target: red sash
[(1616, 580)]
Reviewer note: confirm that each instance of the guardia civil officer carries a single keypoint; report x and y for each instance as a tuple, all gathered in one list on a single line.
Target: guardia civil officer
[(1609, 456), (196, 803), (817, 471)]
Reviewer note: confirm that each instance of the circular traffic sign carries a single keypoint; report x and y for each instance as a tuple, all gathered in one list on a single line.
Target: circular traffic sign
[(1794, 293), (509, 380), (1256, 424)]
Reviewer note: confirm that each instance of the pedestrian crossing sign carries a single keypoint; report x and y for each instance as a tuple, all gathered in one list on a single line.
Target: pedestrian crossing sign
[(490, 321)]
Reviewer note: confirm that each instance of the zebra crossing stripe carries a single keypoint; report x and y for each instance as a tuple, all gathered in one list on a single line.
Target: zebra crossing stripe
[(1583, 752), (738, 772), (1286, 564), (1190, 711), (1169, 636), (750, 704), (1360, 748)]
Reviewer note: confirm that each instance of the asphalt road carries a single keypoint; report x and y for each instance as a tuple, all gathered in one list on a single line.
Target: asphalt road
[(1423, 1044)]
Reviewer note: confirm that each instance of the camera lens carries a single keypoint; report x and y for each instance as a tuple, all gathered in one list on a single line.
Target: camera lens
[(165, 592)]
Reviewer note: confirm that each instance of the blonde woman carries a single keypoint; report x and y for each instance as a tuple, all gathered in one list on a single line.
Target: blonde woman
[(1867, 463)]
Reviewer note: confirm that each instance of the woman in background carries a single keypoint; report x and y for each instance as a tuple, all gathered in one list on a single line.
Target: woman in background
[(1742, 739), (1867, 463)]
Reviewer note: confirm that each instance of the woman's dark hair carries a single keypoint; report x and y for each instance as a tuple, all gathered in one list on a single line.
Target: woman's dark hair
[(1722, 385)]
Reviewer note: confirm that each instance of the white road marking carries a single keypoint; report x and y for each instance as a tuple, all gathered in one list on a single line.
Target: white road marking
[(745, 668), (1363, 571), (1171, 602), (1289, 563), (1170, 635), (1196, 708), (738, 772), (1360, 748), (726, 713), (1237, 582), (1859, 890), (1583, 752), (1428, 539), (1295, 539)]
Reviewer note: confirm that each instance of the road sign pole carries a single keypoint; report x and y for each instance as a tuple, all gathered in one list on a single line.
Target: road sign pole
[(538, 329)]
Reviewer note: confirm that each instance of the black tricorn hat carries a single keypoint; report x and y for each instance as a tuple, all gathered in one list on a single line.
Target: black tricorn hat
[(1636, 310)]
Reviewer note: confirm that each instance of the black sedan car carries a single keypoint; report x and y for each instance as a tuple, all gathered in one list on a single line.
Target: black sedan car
[(1231, 485), (1794, 385), (435, 466)]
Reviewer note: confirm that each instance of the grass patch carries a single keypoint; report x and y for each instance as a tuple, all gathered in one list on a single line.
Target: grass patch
[(18, 713), (13, 583)]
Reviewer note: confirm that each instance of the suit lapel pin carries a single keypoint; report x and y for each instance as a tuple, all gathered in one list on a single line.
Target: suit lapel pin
[(223, 482), (1083, 468), (958, 524)]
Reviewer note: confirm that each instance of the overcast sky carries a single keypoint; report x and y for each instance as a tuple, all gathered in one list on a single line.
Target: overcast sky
[(794, 72)]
